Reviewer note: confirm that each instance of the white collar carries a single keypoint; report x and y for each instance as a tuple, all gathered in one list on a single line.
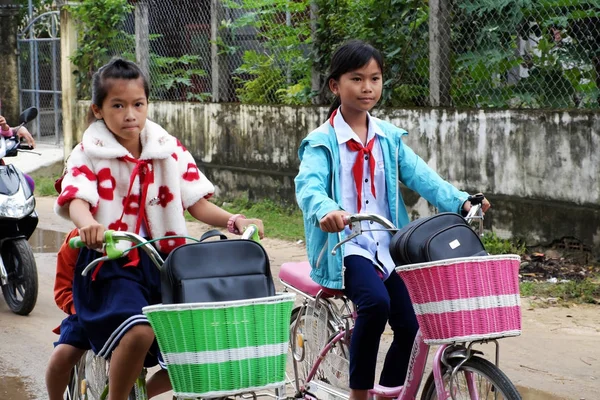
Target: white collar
[(344, 133), (99, 142)]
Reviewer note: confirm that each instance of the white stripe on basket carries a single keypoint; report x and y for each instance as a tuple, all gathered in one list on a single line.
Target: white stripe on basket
[(221, 356), (470, 304)]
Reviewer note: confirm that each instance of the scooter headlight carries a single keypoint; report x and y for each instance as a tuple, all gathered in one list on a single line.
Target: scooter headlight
[(16, 206)]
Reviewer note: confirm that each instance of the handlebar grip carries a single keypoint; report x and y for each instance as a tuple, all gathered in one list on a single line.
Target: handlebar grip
[(251, 233), (76, 243), (476, 198)]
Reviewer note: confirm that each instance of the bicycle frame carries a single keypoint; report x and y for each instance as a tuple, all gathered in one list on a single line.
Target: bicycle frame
[(420, 350), (417, 363)]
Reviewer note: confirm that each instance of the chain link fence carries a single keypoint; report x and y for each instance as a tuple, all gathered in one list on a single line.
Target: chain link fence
[(500, 54), (525, 54)]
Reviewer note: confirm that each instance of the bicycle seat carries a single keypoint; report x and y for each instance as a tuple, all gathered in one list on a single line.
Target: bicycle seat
[(297, 275)]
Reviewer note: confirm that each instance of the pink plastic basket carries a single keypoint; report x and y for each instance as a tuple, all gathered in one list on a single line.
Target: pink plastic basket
[(465, 299)]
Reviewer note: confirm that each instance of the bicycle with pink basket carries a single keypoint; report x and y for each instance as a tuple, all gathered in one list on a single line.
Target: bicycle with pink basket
[(459, 303)]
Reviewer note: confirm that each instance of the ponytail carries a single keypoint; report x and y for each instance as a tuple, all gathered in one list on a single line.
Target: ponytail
[(334, 106)]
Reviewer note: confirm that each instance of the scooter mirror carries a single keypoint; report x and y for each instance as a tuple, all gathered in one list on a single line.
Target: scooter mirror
[(28, 115)]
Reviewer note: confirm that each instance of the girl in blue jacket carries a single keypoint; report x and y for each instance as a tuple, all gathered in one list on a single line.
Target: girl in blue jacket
[(355, 163)]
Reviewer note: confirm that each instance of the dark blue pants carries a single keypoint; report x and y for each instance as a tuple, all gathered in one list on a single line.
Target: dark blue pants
[(378, 302)]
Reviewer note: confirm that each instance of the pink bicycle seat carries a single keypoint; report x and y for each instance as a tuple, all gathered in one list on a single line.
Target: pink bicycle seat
[(297, 275)]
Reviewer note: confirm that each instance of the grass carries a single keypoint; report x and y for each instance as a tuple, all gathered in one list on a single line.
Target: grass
[(585, 291), (494, 245), (281, 222), (44, 186)]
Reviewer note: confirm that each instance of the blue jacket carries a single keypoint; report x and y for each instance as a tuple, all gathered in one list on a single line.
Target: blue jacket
[(318, 192)]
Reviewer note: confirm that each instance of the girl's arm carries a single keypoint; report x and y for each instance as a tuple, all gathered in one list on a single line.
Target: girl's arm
[(196, 188), (313, 184), (65, 271), (211, 214), (90, 231), (418, 176)]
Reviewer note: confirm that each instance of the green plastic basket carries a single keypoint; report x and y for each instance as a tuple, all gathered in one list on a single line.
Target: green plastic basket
[(224, 348)]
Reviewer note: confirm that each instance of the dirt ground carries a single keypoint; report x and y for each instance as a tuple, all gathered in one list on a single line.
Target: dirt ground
[(556, 357)]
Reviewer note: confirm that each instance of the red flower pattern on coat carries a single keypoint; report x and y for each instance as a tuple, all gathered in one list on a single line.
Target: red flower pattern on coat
[(67, 195), (174, 155), (106, 184), (168, 245), (85, 170), (164, 196), (179, 144), (131, 204), (118, 226), (192, 173)]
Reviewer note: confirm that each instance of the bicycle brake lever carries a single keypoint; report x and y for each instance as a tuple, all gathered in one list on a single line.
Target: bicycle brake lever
[(356, 230)]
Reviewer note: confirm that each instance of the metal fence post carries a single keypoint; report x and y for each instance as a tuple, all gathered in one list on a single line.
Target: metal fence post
[(9, 86), (439, 53), (315, 75), (220, 74), (68, 46), (142, 36)]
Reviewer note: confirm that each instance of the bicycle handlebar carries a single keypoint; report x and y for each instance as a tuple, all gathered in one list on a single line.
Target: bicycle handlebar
[(354, 221), (112, 252)]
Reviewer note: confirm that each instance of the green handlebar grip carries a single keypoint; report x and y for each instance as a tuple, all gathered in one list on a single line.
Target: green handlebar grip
[(110, 246), (255, 235), (76, 243)]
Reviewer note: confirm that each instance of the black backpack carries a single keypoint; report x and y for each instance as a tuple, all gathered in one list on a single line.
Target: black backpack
[(439, 237), (211, 271)]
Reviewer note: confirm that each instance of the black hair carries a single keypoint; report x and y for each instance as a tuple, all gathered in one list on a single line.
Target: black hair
[(117, 68), (350, 56)]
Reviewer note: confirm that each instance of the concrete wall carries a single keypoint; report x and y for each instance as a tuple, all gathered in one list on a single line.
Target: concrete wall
[(540, 169)]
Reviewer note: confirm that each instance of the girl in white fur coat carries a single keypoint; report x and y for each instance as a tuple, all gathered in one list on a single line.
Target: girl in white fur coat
[(129, 174)]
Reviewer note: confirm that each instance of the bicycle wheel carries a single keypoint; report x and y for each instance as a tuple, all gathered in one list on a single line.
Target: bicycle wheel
[(489, 382), (315, 330), (96, 376), (76, 388)]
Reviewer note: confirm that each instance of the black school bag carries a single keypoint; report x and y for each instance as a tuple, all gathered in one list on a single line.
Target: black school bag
[(221, 270), (439, 237)]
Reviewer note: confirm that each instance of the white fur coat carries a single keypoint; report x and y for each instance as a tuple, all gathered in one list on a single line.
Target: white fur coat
[(99, 171)]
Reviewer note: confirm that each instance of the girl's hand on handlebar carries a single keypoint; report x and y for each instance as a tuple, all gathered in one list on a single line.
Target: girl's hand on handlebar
[(242, 223), (334, 221), (485, 204), (23, 133), (92, 235)]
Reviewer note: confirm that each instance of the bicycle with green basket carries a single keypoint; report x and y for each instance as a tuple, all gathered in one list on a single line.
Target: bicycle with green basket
[(210, 349)]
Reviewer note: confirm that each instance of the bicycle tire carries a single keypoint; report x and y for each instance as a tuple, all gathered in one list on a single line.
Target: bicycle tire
[(482, 367)]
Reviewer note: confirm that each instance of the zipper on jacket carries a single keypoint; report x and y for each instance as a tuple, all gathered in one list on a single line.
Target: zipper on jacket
[(397, 183)]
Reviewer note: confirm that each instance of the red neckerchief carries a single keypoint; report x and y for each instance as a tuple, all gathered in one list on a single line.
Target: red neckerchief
[(358, 167)]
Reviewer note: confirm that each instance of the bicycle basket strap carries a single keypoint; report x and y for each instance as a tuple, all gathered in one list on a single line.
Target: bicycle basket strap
[(212, 233)]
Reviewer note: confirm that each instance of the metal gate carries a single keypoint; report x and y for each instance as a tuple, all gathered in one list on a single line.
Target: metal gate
[(39, 75)]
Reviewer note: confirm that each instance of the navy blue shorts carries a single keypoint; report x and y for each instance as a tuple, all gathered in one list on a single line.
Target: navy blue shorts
[(110, 304), (72, 333)]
